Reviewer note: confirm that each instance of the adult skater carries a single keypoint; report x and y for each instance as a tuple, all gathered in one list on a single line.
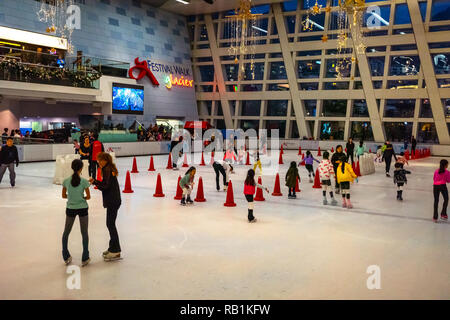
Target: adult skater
[(97, 147), (400, 179), (413, 145), (175, 156), (9, 155), (291, 179), (326, 170), (350, 146), (85, 152), (360, 150), (224, 168), (187, 185), (387, 157), (74, 189), (250, 186), (4, 135), (337, 157), (440, 180), (109, 186)]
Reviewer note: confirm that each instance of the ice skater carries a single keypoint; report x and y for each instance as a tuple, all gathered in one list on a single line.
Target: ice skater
[(350, 147), (9, 155), (387, 156), (309, 161), (345, 176), (337, 158), (440, 180), (291, 179), (360, 150), (224, 168), (325, 172), (97, 147), (109, 186), (257, 163), (400, 179), (187, 185), (74, 190), (401, 159), (250, 186)]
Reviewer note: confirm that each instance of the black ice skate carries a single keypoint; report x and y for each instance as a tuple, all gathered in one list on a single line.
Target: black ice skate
[(183, 202), (189, 201)]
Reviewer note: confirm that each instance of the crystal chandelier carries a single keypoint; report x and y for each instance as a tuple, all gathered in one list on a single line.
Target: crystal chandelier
[(55, 14), (243, 33)]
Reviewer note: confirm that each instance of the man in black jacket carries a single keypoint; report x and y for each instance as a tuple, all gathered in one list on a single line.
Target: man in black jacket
[(387, 157), (413, 145), (350, 146), (9, 155)]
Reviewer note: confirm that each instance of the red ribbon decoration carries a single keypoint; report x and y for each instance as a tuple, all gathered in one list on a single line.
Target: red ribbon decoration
[(144, 71)]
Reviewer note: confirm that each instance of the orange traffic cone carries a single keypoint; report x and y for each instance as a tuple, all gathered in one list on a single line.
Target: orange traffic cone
[(370, 150), (128, 184), (281, 150), (134, 169), (185, 162), (230, 196), (319, 153), (357, 171), (280, 159), (202, 163), (247, 162), (179, 194), (297, 185), (276, 190), (99, 176), (169, 161), (302, 163), (407, 155), (200, 197), (353, 167), (152, 165), (299, 150), (317, 184), (158, 192), (332, 150), (259, 192)]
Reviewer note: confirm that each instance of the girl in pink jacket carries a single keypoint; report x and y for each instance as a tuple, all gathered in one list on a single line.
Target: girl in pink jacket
[(440, 180)]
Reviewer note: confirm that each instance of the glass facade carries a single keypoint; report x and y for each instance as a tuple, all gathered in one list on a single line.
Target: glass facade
[(266, 94)]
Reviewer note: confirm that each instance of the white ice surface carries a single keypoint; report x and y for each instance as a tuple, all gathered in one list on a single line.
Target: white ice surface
[(298, 249)]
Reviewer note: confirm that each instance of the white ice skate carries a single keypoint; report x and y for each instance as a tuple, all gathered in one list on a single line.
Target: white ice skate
[(334, 202)]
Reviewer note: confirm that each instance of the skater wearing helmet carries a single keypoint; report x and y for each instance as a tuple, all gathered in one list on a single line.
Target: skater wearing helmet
[(74, 190), (250, 186), (345, 176), (109, 186), (187, 185), (325, 172)]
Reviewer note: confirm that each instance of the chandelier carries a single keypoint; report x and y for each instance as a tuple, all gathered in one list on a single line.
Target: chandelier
[(243, 30), (55, 14)]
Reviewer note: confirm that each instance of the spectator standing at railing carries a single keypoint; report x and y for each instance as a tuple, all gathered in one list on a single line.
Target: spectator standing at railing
[(9, 155), (4, 135)]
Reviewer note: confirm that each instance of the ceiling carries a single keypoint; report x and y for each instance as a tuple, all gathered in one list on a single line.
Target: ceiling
[(200, 6)]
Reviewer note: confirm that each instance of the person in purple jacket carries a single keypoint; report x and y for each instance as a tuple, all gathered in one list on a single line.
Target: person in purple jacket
[(309, 160), (440, 180)]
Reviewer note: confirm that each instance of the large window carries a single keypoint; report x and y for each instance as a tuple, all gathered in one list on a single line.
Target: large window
[(440, 10), (425, 109), (404, 65), (332, 130), (377, 18), (276, 125), (257, 73), (441, 62), (231, 72), (334, 108), (361, 131), (310, 108), (427, 133), (332, 67), (308, 68), (376, 66), (249, 124), (250, 107), (207, 73), (397, 131), (277, 107), (360, 108), (399, 108), (277, 70), (402, 14)]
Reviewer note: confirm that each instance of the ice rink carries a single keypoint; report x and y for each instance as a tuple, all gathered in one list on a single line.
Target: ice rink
[(298, 249)]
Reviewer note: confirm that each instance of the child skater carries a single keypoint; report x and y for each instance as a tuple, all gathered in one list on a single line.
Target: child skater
[(73, 190), (400, 178), (250, 186), (187, 184), (345, 176), (291, 179), (401, 159), (325, 172), (309, 160), (257, 163), (441, 178)]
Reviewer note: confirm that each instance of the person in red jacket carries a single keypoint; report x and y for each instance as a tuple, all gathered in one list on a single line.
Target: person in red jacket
[(97, 147), (250, 186)]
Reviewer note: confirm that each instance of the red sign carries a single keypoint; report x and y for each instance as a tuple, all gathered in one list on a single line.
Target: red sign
[(144, 71)]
